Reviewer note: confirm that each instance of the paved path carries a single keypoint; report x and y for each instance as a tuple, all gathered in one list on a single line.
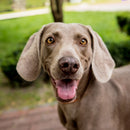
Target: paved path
[(40, 118), (124, 5), (24, 14)]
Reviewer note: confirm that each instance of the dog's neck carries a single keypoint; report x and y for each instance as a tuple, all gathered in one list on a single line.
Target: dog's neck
[(84, 83)]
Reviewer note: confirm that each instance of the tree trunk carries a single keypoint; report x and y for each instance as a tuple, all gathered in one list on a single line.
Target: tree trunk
[(56, 8)]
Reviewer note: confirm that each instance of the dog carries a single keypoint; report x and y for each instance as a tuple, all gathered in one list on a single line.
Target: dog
[(91, 94)]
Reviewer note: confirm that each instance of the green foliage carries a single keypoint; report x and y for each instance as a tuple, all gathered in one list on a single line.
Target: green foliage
[(123, 20), (120, 52), (6, 5), (35, 3), (8, 67)]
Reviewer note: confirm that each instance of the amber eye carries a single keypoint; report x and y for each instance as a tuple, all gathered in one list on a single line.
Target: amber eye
[(83, 41), (50, 40)]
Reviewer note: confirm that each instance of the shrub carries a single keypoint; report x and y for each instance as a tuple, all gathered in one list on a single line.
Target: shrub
[(8, 67), (120, 52), (124, 22)]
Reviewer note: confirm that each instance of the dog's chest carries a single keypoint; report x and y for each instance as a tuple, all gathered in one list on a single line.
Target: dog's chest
[(71, 110)]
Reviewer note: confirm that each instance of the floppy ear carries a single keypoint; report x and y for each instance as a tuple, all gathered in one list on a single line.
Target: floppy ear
[(102, 63), (29, 66)]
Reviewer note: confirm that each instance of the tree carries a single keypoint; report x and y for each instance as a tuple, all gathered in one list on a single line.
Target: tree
[(56, 8)]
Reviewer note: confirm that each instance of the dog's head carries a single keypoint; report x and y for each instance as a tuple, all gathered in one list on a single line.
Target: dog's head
[(66, 52)]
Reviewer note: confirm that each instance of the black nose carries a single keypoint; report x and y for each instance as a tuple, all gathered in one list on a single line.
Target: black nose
[(69, 65)]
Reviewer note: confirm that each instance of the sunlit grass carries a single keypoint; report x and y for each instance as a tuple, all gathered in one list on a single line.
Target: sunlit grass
[(104, 23), (16, 31)]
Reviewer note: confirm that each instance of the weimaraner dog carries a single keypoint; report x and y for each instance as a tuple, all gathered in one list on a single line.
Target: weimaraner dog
[(91, 94)]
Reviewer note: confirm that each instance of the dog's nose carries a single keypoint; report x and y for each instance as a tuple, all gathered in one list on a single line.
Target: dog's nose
[(68, 65)]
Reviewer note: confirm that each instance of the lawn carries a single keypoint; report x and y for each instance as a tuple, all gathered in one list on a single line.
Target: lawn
[(102, 22), (15, 32)]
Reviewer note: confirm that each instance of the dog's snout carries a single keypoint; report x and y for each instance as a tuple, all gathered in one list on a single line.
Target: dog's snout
[(68, 65)]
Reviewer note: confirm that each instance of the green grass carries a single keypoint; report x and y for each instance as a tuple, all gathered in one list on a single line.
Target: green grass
[(104, 23), (5, 5), (15, 32)]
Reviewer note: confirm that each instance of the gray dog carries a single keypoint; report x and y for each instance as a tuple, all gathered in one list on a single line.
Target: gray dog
[(92, 94)]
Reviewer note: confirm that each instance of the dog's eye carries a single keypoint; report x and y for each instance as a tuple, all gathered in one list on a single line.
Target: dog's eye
[(50, 40), (83, 41)]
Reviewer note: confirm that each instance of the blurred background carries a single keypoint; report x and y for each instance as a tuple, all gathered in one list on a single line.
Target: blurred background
[(19, 19)]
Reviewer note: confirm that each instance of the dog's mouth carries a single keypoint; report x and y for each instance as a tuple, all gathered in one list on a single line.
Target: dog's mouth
[(66, 89)]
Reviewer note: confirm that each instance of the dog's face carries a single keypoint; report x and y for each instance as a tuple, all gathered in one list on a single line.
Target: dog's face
[(66, 52)]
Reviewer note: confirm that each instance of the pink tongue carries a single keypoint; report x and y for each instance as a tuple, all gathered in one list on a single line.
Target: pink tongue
[(66, 89)]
